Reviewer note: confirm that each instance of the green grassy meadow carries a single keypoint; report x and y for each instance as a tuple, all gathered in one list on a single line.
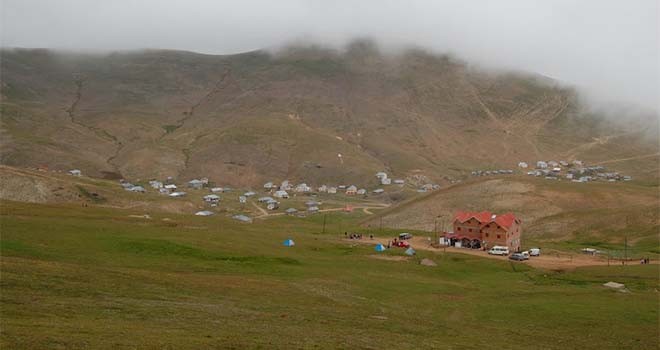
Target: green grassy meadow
[(94, 278)]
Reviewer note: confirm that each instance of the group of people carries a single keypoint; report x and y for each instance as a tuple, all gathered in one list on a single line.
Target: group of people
[(356, 236), (645, 261)]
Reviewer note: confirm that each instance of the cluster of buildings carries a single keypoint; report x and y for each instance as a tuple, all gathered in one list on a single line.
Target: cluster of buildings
[(482, 230), (575, 171), (491, 172)]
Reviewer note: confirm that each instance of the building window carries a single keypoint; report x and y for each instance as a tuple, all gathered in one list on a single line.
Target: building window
[(486, 234), (459, 229), (469, 230), (498, 236)]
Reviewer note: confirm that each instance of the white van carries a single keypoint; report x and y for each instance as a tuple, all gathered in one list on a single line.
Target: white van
[(499, 250), (535, 252)]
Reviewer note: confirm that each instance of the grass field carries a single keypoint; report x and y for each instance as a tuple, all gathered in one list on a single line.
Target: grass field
[(90, 277)]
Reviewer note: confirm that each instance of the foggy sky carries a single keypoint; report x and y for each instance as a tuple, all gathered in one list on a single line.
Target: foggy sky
[(607, 48)]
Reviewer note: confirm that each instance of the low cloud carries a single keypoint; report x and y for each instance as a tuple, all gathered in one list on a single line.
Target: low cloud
[(608, 49)]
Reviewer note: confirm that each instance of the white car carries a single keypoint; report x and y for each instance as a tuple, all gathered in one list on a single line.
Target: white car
[(534, 252), (498, 250)]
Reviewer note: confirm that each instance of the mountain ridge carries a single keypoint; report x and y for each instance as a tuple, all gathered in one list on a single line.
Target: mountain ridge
[(247, 118)]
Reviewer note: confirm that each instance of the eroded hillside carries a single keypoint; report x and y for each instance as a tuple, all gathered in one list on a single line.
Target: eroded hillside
[(246, 118)]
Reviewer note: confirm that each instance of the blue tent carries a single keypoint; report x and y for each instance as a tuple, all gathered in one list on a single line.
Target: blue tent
[(289, 243), (380, 248), (410, 251)]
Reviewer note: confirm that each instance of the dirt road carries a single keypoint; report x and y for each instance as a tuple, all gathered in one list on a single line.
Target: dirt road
[(545, 261)]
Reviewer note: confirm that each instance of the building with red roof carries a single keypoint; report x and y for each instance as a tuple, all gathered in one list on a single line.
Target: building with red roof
[(484, 229)]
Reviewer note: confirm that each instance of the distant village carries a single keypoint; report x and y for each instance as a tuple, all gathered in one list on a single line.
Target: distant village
[(275, 194), (575, 171)]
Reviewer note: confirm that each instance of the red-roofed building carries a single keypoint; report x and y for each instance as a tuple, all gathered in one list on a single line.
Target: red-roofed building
[(484, 229)]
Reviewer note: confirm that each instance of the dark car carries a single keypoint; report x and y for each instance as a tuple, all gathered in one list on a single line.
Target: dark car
[(518, 257)]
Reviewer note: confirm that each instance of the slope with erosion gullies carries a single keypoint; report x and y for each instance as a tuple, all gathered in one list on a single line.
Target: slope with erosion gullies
[(551, 211), (254, 116)]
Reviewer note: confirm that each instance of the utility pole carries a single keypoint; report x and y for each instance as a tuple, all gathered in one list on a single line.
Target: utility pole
[(625, 250), (324, 217)]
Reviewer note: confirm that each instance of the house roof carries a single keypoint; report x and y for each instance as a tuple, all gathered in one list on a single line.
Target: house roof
[(486, 217), (463, 216)]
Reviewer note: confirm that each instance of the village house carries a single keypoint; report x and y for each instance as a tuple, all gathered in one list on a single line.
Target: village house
[(378, 191), (217, 190), (136, 189), (155, 184), (170, 187), (553, 164), (242, 199), (386, 181), (281, 194), (196, 184), (163, 191), (381, 175), (265, 199), (332, 190), (351, 190), (177, 194), (204, 213), (212, 198), (522, 165), (399, 182), (563, 163), (75, 172), (482, 230), (285, 186), (272, 205), (249, 193), (268, 185), (541, 164), (291, 211), (361, 192), (302, 188), (323, 188)]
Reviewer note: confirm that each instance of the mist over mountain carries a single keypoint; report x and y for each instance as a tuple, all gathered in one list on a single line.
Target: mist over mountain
[(287, 114)]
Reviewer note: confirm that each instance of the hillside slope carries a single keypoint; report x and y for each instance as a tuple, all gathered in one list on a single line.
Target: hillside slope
[(243, 119), (559, 213)]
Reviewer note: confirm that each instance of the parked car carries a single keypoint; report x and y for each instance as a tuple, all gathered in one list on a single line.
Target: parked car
[(405, 235), (534, 252), (498, 250), (402, 244), (518, 257)]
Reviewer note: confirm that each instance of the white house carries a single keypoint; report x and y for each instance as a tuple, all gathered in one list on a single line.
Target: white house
[(136, 189), (553, 163), (302, 188), (217, 190), (75, 172), (399, 182), (242, 199), (197, 184), (281, 194), (211, 198), (323, 188), (285, 186), (351, 190), (332, 190), (155, 184), (385, 181), (378, 191), (522, 165), (163, 191), (541, 164), (249, 194), (268, 185), (170, 187), (381, 175), (272, 205), (361, 192), (177, 194), (204, 213)]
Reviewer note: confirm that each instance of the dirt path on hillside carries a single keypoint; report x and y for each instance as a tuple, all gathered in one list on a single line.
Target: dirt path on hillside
[(550, 261), (629, 158)]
